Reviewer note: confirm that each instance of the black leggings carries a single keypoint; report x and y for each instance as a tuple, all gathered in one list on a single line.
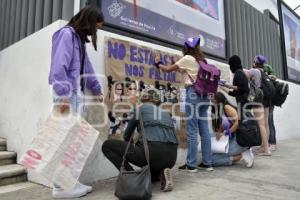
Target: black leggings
[(162, 155)]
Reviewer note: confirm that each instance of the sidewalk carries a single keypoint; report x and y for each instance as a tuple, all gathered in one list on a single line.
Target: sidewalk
[(271, 178)]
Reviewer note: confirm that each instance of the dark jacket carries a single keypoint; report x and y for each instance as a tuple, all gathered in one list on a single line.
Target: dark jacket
[(241, 81), (158, 124)]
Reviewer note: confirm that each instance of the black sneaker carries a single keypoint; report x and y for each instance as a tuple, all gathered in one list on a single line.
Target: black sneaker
[(208, 168), (166, 181), (185, 167)]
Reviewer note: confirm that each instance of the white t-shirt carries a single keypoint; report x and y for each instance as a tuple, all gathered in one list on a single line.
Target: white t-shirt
[(188, 65)]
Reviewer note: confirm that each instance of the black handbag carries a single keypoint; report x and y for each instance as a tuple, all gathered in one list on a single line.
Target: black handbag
[(136, 184), (248, 132)]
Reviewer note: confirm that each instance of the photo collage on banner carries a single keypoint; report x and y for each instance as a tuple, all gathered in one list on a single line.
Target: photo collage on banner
[(130, 71)]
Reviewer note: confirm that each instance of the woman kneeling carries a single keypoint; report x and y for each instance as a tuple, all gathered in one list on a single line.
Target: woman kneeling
[(225, 123)]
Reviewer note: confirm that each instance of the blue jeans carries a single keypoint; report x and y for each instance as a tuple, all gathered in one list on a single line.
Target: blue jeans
[(223, 159), (272, 138), (197, 124)]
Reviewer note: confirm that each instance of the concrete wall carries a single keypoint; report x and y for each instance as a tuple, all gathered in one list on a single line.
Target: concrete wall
[(287, 118), (27, 98)]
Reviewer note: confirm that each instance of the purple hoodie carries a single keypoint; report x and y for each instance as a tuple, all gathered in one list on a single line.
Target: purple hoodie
[(65, 64)]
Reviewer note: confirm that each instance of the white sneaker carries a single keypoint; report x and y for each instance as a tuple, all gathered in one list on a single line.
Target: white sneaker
[(88, 188), (248, 158), (78, 191)]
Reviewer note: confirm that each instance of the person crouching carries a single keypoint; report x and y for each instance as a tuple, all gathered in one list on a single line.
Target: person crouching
[(161, 138)]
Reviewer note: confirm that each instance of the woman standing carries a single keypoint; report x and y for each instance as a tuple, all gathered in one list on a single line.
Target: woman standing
[(240, 89), (196, 108), (69, 62), (255, 74)]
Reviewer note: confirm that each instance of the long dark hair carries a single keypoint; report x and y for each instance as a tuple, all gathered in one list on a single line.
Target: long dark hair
[(195, 52), (218, 110), (85, 22)]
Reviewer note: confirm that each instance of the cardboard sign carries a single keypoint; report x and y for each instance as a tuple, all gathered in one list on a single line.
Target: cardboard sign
[(60, 150), (126, 59)]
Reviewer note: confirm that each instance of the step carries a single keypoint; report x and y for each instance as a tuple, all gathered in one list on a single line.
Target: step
[(7, 157), (2, 141), (17, 186), (2, 144), (10, 174)]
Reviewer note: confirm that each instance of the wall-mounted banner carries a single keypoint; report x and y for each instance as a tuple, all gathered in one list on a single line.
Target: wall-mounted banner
[(171, 20), (125, 59), (127, 64), (291, 25)]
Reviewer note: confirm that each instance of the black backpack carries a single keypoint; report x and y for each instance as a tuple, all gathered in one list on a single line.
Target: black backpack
[(267, 85), (248, 132), (281, 93)]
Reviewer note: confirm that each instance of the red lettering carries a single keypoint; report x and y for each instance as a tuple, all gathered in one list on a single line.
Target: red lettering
[(34, 154), (67, 162), (29, 163), (68, 159), (74, 147)]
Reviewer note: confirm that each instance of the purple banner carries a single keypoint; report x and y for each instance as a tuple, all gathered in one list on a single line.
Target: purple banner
[(121, 13)]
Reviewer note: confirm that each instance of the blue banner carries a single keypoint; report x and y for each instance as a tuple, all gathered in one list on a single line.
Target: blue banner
[(122, 14)]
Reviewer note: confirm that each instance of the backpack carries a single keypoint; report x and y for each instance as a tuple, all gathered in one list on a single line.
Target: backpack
[(255, 93), (207, 79), (281, 93), (267, 85), (248, 132)]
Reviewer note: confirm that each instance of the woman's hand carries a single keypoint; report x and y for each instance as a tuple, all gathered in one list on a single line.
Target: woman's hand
[(225, 89), (273, 77), (157, 58), (99, 97), (166, 68), (231, 87), (65, 105), (226, 85), (219, 135)]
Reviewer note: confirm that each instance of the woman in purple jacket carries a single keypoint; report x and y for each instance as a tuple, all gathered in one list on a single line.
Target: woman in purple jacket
[(70, 62)]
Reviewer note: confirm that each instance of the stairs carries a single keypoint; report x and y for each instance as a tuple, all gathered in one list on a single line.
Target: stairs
[(10, 171)]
